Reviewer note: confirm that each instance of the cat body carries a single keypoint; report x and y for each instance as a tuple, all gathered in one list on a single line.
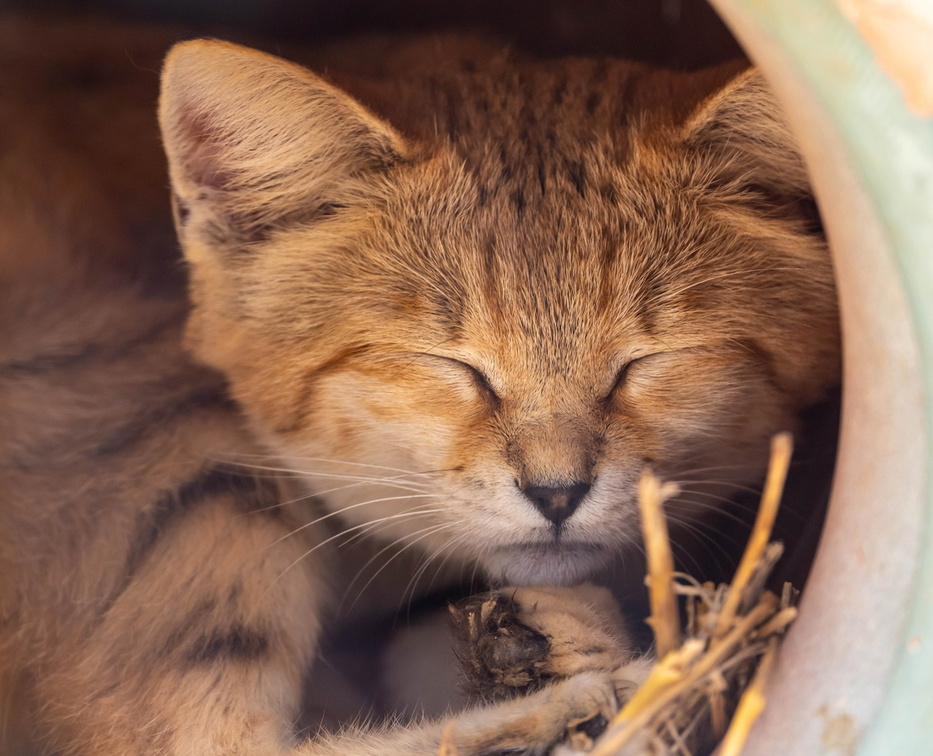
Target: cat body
[(461, 297)]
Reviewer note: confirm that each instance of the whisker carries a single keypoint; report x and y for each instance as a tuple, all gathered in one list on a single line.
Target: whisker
[(682, 508), (411, 588), (372, 528), (393, 544), (728, 503), (424, 533), (684, 555), (314, 494), (749, 468), (737, 486), (347, 508), (320, 544), (297, 473), (344, 462), (707, 543)]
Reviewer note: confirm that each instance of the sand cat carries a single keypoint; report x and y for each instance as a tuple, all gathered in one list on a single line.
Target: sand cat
[(463, 300)]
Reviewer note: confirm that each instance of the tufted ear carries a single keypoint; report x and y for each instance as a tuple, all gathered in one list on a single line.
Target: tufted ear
[(255, 143), (740, 136)]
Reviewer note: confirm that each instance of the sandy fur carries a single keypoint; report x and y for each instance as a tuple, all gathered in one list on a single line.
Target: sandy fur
[(472, 273)]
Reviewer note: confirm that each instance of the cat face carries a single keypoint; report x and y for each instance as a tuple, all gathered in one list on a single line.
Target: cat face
[(475, 343)]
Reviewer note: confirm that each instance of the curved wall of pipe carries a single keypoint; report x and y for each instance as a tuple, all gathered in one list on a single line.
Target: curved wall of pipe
[(856, 671)]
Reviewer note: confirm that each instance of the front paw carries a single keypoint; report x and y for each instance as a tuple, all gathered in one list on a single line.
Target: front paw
[(573, 711), (516, 640), (500, 654)]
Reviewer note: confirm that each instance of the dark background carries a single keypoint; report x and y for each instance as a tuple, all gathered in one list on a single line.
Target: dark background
[(673, 33)]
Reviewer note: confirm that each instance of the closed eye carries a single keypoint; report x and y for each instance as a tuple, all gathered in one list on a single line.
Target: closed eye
[(479, 379), (482, 383), (622, 376)]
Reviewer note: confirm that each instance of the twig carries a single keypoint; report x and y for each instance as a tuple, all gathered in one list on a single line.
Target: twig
[(751, 704), (628, 722), (781, 450), (778, 623), (686, 697), (664, 620)]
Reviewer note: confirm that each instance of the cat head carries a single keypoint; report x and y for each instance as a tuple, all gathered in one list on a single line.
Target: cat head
[(474, 310)]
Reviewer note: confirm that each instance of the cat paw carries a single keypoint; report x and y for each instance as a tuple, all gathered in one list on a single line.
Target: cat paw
[(574, 712), (516, 640)]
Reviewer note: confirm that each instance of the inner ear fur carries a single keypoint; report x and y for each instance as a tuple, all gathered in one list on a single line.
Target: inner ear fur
[(741, 137), (253, 140)]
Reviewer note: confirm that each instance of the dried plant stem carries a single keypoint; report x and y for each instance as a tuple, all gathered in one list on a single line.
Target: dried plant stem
[(639, 712), (781, 450), (664, 620), (778, 623), (750, 706)]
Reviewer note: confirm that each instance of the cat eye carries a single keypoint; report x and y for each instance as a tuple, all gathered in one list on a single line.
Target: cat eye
[(480, 381), (622, 377)]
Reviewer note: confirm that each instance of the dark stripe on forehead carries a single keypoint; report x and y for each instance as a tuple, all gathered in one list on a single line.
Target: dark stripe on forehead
[(608, 253), (576, 171), (447, 308), (491, 273)]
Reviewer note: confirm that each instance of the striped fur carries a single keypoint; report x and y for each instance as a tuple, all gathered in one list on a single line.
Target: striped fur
[(477, 274)]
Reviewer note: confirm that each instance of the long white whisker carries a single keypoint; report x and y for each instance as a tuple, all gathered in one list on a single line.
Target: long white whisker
[(449, 548), (707, 542), (424, 533), (313, 494), (681, 508), (339, 476), (737, 486), (341, 462), (727, 503), (319, 545), (391, 545), (377, 526), (347, 508)]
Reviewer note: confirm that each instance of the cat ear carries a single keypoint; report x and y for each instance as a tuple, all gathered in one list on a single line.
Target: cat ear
[(741, 136), (254, 142)]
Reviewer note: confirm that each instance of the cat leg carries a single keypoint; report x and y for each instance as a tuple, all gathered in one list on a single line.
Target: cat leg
[(200, 645), (524, 726)]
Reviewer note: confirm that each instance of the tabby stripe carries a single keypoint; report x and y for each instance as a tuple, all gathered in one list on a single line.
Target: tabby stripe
[(250, 495), (147, 422), (237, 643), (45, 363)]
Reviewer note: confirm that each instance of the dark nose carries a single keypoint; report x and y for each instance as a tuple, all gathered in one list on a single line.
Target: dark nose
[(557, 503)]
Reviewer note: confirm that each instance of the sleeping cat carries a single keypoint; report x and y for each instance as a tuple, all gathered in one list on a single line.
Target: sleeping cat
[(464, 299)]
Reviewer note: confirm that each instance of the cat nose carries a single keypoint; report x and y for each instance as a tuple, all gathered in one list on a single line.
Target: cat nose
[(557, 503)]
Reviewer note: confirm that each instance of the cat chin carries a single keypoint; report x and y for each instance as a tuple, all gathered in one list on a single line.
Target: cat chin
[(527, 565)]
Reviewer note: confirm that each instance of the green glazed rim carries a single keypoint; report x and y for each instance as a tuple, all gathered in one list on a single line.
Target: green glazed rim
[(891, 151)]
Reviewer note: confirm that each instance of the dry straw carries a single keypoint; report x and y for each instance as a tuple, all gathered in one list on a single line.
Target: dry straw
[(731, 639)]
